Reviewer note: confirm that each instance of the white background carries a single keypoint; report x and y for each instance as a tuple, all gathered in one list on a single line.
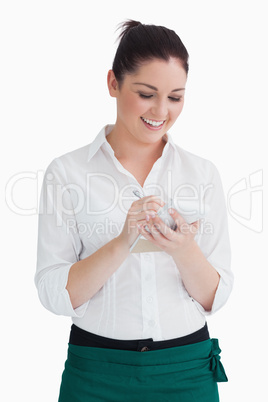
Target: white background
[(54, 59)]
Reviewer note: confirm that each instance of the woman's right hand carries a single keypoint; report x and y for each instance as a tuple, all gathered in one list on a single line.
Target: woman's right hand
[(139, 210)]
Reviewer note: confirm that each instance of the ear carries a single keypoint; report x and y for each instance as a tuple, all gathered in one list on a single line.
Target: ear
[(112, 84)]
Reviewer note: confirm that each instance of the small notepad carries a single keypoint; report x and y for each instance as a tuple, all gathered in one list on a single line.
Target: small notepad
[(144, 246)]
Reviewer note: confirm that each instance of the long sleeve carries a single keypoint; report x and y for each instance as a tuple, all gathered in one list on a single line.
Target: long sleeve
[(58, 246), (214, 240)]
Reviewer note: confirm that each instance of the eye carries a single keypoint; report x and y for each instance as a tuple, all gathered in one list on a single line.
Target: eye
[(175, 99), (145, 96)]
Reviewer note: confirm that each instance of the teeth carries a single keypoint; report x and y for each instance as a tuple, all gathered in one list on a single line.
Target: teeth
[(153, 123)]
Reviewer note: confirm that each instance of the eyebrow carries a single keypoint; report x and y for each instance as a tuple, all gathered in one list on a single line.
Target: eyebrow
[(155, 89)]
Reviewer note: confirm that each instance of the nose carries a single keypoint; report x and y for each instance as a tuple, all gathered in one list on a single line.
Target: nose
[(160, 109)]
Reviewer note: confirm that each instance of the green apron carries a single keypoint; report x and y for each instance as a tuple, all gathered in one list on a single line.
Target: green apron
[(183, 374)]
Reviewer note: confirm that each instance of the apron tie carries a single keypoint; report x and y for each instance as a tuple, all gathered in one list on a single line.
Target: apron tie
[(216, 365)]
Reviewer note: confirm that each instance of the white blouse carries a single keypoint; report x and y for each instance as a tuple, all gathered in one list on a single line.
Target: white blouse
[(84, 202)]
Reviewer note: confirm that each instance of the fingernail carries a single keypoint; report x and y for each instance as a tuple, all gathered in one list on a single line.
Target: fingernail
[(171, 211), (147, 218), (153, 215)]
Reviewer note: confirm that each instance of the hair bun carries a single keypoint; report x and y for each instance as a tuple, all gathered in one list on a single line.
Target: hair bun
[(126, 26), (140, 43)]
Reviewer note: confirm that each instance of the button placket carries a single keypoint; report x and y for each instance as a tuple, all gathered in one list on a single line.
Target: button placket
[(149, 300)]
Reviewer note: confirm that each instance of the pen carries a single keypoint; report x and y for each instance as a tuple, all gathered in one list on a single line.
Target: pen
[(137, 193)]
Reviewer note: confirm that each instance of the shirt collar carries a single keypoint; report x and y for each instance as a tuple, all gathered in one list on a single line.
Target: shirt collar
[(101, 140)]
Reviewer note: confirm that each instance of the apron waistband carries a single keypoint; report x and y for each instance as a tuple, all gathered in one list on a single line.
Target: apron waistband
[(80, 337)]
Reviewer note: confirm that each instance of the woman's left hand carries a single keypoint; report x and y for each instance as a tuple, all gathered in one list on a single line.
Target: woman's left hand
[(199, 277), (170, 241)]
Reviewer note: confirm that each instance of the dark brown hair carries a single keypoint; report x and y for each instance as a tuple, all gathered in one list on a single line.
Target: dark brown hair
[(140, 43)]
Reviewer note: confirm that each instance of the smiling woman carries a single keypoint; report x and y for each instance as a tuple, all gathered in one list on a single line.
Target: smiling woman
[(147, 101), (154, 297)]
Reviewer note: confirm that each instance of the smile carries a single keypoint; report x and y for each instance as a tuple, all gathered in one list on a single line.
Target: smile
[(153, 123)]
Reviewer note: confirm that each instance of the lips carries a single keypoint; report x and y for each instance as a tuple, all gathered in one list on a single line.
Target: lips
[(153, 124)]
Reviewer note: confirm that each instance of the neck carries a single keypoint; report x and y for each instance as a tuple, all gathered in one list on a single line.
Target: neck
[(126, 146)]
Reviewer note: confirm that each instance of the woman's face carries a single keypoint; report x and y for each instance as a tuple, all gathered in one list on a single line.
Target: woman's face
[(150, 100)]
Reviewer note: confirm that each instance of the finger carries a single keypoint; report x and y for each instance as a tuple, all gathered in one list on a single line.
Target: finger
[(150, 200), (177, 217), (151, 197), (162, 228), (150, 207), (153, 206), (145, 232), (153, 235), (195, 227), (142, 216)]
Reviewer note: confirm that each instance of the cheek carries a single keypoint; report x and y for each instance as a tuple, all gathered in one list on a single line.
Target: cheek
[(177, 110), (130, 106)]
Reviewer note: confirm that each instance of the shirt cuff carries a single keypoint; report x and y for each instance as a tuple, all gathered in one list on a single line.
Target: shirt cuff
[(53, 293), (222, 293), (78, 312)]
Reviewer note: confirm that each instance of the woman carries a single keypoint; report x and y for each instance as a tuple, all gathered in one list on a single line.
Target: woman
[(130, 281)]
